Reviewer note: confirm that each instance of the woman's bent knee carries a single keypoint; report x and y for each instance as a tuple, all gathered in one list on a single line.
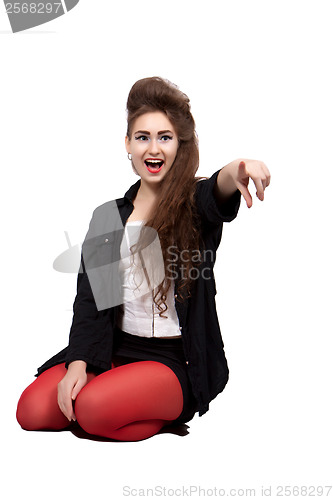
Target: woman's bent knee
[(29, 413), (38, 407)]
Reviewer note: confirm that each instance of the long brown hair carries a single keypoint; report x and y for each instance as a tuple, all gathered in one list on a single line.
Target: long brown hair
[(174, 215)]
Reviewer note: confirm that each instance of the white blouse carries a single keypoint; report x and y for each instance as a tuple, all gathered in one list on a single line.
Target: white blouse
[(139, 315)]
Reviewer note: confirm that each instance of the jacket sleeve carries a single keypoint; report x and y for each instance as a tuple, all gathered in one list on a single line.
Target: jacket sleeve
[(90, 337), (209, 209)]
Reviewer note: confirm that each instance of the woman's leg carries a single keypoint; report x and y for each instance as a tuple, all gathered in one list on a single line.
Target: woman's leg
[(38, 408), (131, 402)]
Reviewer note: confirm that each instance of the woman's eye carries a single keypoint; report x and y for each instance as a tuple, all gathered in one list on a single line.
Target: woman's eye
[(141, 138), (165, 138)]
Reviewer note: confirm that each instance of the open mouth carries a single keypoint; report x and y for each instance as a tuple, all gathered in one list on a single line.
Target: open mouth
[(154, 165)]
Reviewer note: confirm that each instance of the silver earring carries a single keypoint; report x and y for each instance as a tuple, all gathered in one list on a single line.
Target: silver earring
[(129, 156)]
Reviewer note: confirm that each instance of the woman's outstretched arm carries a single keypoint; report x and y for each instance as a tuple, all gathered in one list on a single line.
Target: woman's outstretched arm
[(236, 175)]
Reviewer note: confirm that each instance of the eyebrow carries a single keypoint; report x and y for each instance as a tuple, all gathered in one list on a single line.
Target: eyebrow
[(148, 133)]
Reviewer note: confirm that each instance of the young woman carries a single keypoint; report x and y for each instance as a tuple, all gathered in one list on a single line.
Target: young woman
[(144, 356)]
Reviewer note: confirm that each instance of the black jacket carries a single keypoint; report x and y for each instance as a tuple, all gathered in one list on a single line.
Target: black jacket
[(91, 333)]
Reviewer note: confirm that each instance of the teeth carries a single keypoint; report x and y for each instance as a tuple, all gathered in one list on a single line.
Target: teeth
[(154, 161)]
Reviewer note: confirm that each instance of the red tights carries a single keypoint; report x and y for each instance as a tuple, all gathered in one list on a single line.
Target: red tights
[(128, 403)]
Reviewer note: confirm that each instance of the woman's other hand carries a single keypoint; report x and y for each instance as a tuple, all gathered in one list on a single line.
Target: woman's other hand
[(70, 386)]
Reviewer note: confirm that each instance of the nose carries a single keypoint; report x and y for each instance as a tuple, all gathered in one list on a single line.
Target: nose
[(154, 147)]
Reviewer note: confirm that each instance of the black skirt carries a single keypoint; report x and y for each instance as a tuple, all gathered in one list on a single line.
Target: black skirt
[(131, 348)]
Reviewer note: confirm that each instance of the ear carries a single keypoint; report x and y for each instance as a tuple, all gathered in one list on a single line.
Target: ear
[(127, 144)]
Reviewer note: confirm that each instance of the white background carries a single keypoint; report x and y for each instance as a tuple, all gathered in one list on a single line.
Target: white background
[(259, 77)]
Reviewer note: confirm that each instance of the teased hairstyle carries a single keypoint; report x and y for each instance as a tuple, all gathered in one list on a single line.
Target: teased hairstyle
[(174, 215)]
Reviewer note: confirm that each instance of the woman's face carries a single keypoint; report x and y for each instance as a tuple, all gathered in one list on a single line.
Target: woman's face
[(153, 145)]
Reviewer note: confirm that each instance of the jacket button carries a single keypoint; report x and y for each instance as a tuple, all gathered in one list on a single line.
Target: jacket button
[(176, 296), (180, 328), (106, 240), (187, 362)]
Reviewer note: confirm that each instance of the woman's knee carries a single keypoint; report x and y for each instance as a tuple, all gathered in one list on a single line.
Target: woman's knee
[(23, 411), (139, 391), (38, 407), (30, 413)]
